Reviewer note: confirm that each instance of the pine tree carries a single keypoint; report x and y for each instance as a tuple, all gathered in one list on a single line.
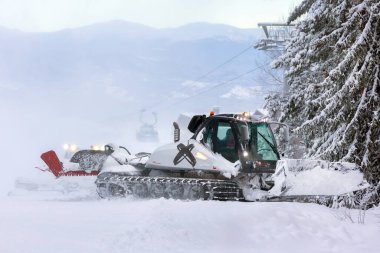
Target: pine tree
[(333, 71)]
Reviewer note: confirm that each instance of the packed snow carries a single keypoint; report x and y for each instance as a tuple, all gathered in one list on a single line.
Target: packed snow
[(178, 226), (78, 221)]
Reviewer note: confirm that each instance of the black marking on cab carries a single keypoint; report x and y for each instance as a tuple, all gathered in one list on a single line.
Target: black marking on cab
[(185, 153)]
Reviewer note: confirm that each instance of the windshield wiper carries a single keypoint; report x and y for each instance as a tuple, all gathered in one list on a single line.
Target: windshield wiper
[(273, 147)]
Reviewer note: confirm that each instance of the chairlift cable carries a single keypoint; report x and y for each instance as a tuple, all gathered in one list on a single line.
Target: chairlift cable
[(215, 86), (206, 74)]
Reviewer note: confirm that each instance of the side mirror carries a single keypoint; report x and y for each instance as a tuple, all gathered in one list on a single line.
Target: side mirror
[(177, 132)]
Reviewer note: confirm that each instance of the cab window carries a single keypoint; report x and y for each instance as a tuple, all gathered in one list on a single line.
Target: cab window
[(225, 143), (266, 145)]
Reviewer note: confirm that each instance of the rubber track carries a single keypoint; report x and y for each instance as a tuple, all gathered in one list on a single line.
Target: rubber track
[(212, 189), (205, 189)]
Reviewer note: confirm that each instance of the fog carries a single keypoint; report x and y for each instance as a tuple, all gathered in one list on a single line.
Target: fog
[(89, 85)]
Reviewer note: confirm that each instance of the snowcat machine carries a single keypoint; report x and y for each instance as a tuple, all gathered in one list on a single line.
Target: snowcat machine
[(229, 157)]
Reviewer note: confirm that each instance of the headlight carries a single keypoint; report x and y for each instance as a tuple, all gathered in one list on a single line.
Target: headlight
[(201, 156), (73, 147)]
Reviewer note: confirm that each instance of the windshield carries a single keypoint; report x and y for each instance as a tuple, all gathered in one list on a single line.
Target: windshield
[(261, 143)]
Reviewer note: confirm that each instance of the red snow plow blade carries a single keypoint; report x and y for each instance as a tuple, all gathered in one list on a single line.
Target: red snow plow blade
[(57, 167)]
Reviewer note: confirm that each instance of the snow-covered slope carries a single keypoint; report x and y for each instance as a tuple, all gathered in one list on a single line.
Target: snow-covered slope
[(127, 225)]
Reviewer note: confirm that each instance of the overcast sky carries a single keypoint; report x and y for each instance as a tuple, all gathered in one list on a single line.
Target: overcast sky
[(51, 15)]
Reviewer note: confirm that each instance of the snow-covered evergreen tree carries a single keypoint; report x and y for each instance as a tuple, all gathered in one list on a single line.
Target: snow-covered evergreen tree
[(333, 70)]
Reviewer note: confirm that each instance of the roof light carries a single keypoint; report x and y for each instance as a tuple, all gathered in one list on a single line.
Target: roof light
[(97, 147), (212, 113), (245, 114)]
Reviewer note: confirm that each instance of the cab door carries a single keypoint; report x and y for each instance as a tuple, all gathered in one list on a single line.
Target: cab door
[(219, 137), (225, 141)]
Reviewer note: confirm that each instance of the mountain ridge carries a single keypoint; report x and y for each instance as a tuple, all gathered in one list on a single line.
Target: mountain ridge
[(123, 61)]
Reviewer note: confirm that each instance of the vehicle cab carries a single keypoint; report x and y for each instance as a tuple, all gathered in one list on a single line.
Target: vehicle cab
[(237, 137)]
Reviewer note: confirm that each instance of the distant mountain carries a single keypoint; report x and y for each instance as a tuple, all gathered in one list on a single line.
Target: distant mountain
[(189, 32), (124, 61), (197, 31)]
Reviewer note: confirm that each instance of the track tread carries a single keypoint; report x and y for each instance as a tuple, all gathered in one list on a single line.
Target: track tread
[(215, 189), (212, 189)]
